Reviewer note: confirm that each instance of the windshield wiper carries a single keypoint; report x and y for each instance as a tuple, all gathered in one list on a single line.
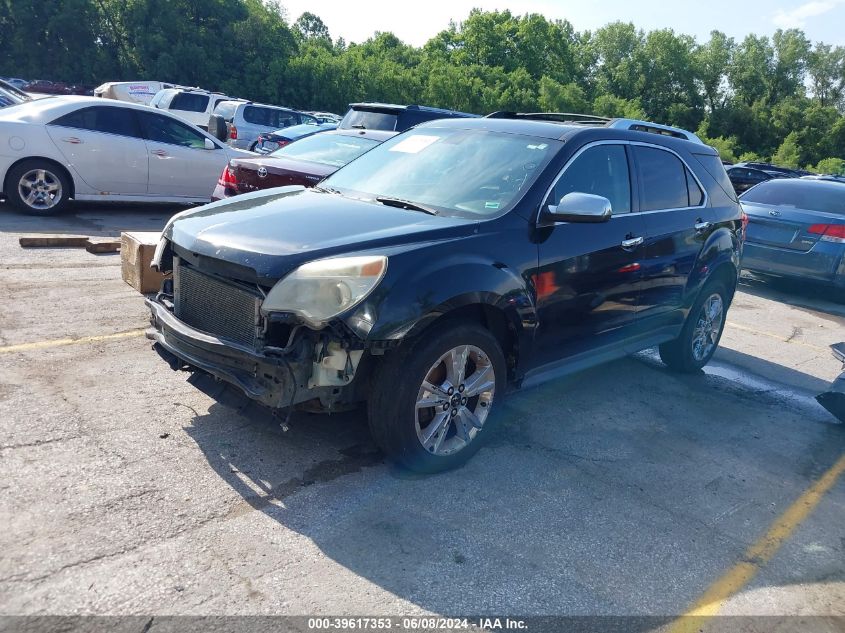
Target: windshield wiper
[(326, 189), (406, 204)]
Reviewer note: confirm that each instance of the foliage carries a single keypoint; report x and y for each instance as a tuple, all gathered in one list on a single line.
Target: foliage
[(778, 96), (834, 166)]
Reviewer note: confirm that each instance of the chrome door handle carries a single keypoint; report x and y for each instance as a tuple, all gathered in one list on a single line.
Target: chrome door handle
[(72, 139), (159, 152), (632, 242), (701, 226)]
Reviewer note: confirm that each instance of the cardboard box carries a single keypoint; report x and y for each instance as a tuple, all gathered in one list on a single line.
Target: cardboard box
[(136, 253)]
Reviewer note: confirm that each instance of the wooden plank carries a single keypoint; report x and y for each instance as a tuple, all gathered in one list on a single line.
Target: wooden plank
[(37, 241), (109, 245)]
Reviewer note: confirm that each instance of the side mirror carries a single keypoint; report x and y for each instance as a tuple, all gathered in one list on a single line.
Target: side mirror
[(209, 144), (579, 207)]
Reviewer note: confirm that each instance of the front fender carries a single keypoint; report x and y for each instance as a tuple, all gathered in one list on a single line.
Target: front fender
[(419, 289)]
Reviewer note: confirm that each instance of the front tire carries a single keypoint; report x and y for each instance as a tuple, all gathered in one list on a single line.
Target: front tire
[(701, 333), (38, 187), (431, 403)]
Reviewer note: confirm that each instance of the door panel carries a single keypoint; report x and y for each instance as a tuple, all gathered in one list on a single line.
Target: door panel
[(677, 226), (587, 283), (179, 163), (587, 286)]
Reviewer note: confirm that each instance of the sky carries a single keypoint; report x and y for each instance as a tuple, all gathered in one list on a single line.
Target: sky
[(415, 21)]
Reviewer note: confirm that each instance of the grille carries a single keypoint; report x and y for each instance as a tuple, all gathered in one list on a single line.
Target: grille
[(215, 307)]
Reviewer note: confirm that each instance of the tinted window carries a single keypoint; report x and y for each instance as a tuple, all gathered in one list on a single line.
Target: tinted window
[(368, 120), (162, 129), (713, 164), (696, 195), (328, 149), (109, 120), (601, 170), (457, 172), (812, 195), (663, 180), (189, 102), (270, 117)]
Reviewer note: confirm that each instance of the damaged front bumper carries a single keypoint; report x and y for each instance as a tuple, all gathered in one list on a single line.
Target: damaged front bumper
[(263, 377)]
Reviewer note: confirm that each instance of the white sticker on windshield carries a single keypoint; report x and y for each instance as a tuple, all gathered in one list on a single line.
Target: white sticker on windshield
[(414, 144)]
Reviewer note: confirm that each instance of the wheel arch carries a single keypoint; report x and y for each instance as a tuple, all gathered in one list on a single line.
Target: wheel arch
[(504, 327), (63, 168)]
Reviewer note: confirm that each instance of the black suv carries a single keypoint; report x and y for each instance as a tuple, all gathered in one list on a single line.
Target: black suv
[(393, 118), (455, 261)]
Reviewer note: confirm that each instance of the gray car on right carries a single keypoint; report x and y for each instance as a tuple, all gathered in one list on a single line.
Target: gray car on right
[(796, 228)]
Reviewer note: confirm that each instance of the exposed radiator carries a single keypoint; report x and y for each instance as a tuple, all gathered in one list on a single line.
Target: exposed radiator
[(218, 308)]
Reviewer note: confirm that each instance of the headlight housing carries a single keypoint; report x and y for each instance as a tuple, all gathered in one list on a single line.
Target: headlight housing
[(320, 290)]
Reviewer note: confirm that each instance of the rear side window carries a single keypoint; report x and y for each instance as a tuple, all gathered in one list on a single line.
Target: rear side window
[(163, 129), (800, 194), (696, 195), (663, 179), (270, 117), (713, 164), (369, 120), (189, 102), (109, 120), (601, 170)]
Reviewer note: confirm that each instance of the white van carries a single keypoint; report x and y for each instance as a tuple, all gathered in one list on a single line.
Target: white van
[(195, 105), (131, 91)]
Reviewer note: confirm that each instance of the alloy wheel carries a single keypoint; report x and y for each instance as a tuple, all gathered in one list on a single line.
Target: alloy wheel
[(454, 400), (40, 189), (707, 327)]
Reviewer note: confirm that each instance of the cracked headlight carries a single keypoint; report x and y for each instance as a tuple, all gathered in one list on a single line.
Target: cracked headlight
[(320, 290)]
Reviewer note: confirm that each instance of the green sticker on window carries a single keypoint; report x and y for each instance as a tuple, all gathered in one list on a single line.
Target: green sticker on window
[(491, 205)]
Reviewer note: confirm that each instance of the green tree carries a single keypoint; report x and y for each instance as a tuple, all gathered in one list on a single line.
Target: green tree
[(789, 152), (834, 166)]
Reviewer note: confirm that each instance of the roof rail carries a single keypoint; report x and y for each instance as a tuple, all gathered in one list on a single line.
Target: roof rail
[(637, 125), (555, 117)]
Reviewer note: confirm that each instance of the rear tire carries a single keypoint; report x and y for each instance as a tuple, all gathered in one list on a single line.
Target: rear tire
[(431, 414), (38, 187), (701, 333)]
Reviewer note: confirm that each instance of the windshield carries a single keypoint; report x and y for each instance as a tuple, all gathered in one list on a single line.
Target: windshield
[(461, 172), (335, 150), (828, 197), (369, 120)]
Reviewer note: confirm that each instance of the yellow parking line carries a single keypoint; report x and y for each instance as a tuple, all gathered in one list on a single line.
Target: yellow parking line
[(23, 347), (762, 551), (776, 337)]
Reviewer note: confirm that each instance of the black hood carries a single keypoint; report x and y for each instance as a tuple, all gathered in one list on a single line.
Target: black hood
[(271, 232)]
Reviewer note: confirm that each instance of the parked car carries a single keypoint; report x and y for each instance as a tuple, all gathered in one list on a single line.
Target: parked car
[(305, 162), (43, 86), (9, 95), (450, 263), (325, 117), (240, 123), (775, 171), (192, 104), (796, 228), (131, 91), (393, 118), (275, 140), (743, 178), (88, 148)]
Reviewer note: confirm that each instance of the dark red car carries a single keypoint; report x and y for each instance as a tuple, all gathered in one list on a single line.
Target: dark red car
[(304, 162)]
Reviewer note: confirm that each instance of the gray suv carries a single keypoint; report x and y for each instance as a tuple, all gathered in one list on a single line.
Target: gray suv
[(239, 123)]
